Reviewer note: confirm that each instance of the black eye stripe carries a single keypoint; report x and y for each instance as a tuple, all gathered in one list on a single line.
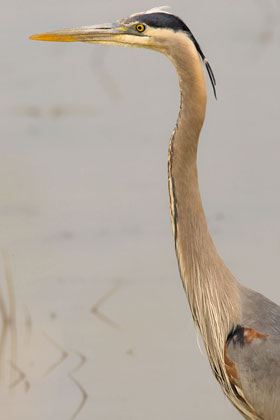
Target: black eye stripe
[(159, 20)]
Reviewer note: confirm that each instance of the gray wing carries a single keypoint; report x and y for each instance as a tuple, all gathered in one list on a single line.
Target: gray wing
[(252, 355)]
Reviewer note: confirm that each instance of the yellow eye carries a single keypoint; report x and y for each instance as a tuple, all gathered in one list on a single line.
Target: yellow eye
[(140, 27)]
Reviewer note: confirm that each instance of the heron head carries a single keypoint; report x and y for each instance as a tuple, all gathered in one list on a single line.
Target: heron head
[(151, 29), (155, 29)]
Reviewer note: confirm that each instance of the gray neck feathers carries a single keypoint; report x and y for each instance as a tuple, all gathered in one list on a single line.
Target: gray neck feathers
[(210, 287)]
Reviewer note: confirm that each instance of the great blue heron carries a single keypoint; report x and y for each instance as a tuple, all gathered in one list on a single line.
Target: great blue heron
[(240, 327)]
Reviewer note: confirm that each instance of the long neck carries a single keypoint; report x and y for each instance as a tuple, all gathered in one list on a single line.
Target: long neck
[(211, 288)]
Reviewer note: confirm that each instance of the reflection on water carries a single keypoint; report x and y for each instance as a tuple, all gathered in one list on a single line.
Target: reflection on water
[(17, 377), (8, 337), (96, 309)]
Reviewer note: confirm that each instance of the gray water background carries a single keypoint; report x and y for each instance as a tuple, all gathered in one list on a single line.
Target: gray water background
[(101, 328)]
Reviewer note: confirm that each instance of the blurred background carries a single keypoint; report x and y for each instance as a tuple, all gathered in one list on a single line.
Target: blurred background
[(94, 322)]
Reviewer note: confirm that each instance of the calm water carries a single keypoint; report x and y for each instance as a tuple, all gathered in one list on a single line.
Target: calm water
[(94, 320)]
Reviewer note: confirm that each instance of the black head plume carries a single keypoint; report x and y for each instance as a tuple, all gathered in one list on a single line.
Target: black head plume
[(206, 63)]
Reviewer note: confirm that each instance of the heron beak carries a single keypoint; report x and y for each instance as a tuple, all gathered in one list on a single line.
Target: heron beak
[(99, 34)]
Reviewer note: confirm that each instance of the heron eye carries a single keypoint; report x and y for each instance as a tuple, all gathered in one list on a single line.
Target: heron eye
[(140, 27)]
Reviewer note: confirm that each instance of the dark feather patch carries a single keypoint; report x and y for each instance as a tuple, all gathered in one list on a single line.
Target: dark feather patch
[(236, 336), (240, 335)]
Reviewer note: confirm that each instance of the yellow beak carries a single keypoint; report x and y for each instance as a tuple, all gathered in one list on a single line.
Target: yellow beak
[(98, 34)]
